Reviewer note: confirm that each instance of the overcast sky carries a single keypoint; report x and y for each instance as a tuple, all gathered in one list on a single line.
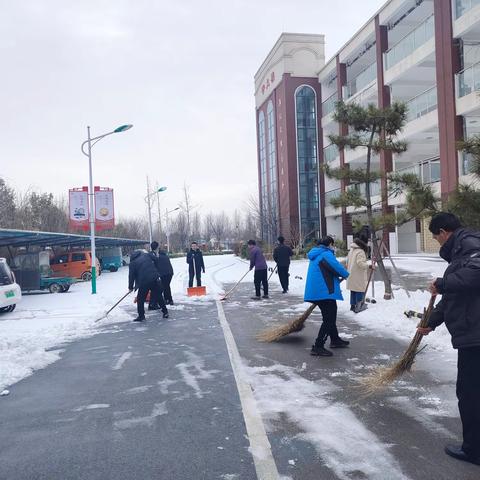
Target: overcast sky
[(180, 71)]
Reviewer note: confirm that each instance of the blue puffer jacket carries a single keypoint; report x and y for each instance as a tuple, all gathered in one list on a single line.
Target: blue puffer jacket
[(323, 276)]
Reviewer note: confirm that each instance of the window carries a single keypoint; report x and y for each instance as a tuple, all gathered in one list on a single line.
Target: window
[(263, 172), (60, 259), (78, 257), (307, 161), (272, 169)]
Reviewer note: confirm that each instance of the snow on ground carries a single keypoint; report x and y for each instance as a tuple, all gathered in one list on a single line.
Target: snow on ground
[(340, 438), (31, 336)]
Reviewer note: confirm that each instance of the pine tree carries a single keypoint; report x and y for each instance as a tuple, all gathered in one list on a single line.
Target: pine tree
[(464, 202), (376, 130)]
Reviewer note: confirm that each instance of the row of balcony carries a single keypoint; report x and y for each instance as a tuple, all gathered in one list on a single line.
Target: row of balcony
[(463, 6)]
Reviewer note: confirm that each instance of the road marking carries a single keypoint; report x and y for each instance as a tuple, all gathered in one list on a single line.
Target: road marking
[(124, 357), (259, 445)]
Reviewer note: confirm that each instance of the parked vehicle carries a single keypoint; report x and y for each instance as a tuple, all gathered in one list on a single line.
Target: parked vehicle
[(33, 272), (76, 264), (10, 293), (110, 258)]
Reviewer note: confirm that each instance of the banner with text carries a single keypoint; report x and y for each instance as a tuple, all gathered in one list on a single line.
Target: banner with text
[(78, 208), (104, 212)]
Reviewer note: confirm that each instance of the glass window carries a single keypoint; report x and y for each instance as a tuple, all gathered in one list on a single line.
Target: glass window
[(78, 257), (306, 125), (61, 259)]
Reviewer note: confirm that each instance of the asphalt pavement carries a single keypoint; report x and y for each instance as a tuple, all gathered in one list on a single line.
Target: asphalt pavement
[(159, 400)]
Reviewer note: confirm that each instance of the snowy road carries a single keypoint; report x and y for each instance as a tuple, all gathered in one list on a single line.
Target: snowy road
[(160, 400)]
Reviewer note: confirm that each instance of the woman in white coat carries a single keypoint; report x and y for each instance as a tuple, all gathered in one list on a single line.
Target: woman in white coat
[(357, 267)]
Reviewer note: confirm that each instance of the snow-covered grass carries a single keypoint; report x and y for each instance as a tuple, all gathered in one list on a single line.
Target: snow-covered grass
[(42, 322)]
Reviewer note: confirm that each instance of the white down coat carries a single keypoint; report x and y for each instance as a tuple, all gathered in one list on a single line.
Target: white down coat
[(357, 267)]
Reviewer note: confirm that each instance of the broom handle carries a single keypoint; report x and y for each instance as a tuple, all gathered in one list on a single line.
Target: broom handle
[(128, 293), (273, 271), (236, 285), (424, 321), (374, 259)]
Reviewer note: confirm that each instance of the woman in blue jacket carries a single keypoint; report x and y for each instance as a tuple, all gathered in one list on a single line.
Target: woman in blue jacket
[(322, 288)]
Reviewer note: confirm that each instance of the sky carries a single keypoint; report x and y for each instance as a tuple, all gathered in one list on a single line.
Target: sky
[(180, 71)]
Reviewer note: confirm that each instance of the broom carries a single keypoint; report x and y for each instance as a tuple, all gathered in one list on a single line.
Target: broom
[(106, 313), (386, 375), (225, 296), (276, 333)]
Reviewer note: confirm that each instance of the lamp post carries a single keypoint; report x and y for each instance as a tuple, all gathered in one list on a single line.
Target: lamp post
[(167, 231), (149, 204), (90, 142)]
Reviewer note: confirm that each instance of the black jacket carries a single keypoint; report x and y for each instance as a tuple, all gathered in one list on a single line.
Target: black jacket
[(141, 271), (460, 289), (198, 256), (162, 263), (282, 255)]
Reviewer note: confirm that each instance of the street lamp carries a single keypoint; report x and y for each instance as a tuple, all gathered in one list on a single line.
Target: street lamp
[(91, 142), (167, 231), (147, 199)]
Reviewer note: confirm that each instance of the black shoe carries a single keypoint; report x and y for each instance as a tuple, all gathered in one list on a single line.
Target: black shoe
[(256, 298), (457, 452), (170, 302), (265, 296), (320, 351), (139, 319), (339, 343), (153, 307), (165, 314), (352, 308)]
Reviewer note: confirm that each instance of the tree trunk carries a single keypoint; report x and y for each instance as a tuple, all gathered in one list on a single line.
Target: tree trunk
[(376, 250)]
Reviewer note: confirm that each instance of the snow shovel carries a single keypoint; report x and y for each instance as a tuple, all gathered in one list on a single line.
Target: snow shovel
[(196, 291), (234, 287), (105, 314)]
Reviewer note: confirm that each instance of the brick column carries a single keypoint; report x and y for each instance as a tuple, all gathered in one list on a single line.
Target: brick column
[(386, 158), (343, 130), (447, 60)]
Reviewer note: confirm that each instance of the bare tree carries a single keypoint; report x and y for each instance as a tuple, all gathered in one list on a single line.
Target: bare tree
[(7, 205), (187, 207), (219, 225)]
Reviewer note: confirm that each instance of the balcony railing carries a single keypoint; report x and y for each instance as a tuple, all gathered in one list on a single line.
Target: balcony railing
[(330, 153), (463, 6), (328, 106), (331, 195), (428, 171), (375, 188), (366, 76), (410, 43), (369, 95), (468, 80), (422, 104)]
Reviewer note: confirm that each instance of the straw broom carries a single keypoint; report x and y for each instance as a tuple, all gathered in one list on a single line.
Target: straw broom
[(384, 376), (276, 333)]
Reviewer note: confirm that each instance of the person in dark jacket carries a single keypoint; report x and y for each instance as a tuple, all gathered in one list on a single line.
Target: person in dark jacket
[(459, 309), (143, 275), (260, 276), (281, 255), (322, 288), (195, 265), (165, 270)]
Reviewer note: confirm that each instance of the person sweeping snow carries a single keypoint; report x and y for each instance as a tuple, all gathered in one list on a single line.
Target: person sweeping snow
[(459, 309), (357, 281), (322, 288)]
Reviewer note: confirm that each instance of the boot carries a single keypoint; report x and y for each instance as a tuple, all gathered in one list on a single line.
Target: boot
[(153, 307), (360, 307), (165, 314), (339, 343), (265, 296), (320, 351), (140, 318), (256, 298)]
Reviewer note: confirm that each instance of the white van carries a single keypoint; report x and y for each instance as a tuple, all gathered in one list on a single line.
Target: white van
[(10, 292)]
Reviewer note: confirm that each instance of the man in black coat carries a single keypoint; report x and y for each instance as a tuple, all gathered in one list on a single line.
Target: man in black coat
[(281, 255), (195, 264), (165, 270), (143, 275), (459, 309)]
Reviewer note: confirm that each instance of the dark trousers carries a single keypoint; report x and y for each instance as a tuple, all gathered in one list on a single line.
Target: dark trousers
[(283, 276), (191, 274), (329, 324), (260, 277), (468, 394), (356, 297), (167, 293), (155, 297)]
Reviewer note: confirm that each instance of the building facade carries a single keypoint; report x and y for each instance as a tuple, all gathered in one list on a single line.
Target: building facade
[(422, 52)]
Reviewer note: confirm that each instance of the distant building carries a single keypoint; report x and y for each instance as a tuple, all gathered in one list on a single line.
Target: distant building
[(425, 53)]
